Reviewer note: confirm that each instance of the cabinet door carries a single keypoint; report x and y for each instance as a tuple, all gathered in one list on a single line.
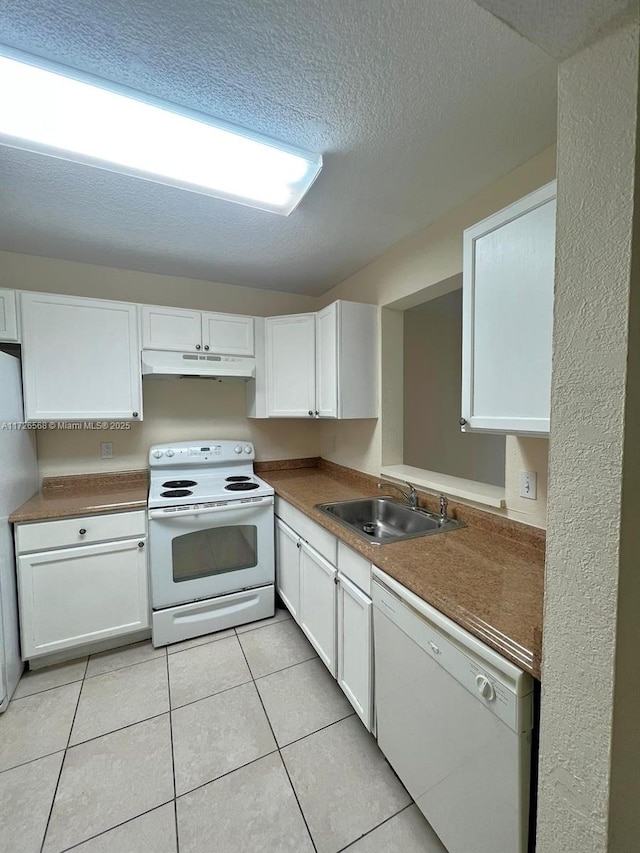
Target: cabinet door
[(228, 334), (327, 361), (75, 596), (355, 648), (508, 317), (290, 345), (288, 567), (81, 359), (8, 316), (171, 329), (318, 604)]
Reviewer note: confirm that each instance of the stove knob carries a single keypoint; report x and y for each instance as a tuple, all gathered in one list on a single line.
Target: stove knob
[(170, 452), (157, 454), (247, 448), (237, 449)]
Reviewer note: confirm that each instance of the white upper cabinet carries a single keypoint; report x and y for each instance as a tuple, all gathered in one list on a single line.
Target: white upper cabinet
[(8, 317), (81, 359), (228, 334), (290, 366), (180, 330), (319, 365), (327, 362), (508, 317), (171, 329)]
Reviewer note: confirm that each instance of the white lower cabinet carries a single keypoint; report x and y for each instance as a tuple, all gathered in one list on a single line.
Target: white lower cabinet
[(288, 567), (329, 603), (355, 640), (74, 596), (318, 604)]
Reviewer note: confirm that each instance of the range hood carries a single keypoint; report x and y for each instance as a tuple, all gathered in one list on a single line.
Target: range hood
[(205, 365)]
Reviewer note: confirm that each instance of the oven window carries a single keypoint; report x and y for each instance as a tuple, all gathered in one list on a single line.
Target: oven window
[(214, 551)]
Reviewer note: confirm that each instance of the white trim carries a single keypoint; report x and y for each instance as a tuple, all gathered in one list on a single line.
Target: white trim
[(471, 490)]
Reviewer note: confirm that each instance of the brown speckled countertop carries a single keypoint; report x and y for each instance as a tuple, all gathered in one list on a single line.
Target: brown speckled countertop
[(487, 577), (85, 494)]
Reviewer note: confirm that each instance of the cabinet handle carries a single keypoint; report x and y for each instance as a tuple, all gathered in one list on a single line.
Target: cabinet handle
[(82, 531), (317, 413), (462, 421), (206, 346), (134, 414), (310, 412), (298, 545), (140, 544), (197, 346)]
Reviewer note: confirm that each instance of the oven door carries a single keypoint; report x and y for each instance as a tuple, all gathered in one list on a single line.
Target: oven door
[(209, 551)]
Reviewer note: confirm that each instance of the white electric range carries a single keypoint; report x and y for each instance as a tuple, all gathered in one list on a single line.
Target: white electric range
[(211, 541)]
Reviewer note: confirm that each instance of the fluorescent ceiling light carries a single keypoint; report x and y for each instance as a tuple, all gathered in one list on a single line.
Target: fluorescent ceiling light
[(55, 111)]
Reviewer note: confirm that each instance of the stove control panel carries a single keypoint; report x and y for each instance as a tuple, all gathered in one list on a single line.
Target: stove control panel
[(199, 453)]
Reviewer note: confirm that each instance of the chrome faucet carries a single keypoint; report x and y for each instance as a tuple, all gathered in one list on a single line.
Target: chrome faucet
[(411, 496), (444, 503)]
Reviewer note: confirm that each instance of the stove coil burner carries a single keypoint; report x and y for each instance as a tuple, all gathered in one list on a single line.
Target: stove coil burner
[(179, 484), (176, 493), (241, 487), (237, 479)]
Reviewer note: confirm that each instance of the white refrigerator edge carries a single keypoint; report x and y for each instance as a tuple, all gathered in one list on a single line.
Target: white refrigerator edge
[(19, 470)]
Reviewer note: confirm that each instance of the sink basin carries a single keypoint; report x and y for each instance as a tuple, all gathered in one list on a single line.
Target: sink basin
[(382, 520)]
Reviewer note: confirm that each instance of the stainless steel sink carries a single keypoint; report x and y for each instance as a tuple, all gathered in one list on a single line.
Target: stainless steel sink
[(382, 520)]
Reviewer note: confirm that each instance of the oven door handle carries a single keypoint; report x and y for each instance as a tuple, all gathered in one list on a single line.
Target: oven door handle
[(255, 503)]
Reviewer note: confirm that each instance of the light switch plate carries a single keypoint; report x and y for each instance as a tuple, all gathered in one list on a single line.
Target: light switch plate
[(529, 485)]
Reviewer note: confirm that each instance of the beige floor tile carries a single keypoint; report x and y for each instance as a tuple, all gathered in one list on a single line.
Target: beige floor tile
[(37, 680), (275, 647), (343, 782), (37, 725), (281, 614), (153, 832), (252, 810), (123, 656), (120, 698), (206, 670), (26, 794), (219, 734), (302, 699), (110, 780), (199, 641), (407, 831)]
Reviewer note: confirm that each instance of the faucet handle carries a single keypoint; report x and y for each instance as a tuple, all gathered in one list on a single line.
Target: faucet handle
[(444, 503)]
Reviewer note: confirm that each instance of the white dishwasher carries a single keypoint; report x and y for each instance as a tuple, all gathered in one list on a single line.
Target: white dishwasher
[(455, 720)]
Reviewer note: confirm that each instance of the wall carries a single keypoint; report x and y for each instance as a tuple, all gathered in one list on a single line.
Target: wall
[(589, 784), (430, 262), (178, 410), (432, 389), (49, 275), (173, 409)]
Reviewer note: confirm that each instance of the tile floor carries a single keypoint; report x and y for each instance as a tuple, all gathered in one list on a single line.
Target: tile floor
[(232, 743)]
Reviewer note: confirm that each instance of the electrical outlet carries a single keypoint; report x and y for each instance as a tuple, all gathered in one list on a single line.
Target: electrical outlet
[(529, 485), (106, 450)]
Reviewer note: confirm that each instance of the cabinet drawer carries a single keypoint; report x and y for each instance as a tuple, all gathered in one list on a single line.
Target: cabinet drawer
[(355, 567), (315, 535), (43, 535)]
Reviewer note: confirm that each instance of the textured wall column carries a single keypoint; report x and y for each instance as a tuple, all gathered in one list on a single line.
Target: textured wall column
[(589, 787)]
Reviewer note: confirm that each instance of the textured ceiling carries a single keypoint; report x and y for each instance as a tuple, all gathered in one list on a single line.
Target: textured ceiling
[(559, 27), (415, 105)]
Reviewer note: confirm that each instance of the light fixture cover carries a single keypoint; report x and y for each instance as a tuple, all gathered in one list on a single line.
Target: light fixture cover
[(55, 111)]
